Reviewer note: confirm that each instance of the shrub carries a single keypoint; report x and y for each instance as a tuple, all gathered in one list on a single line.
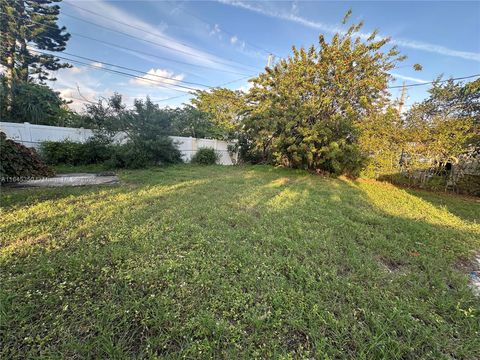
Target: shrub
[(205, 156), (17, 161), (135, 154), (141, 153), (60, 152), (127, 156), (94, 151), (31, 102)]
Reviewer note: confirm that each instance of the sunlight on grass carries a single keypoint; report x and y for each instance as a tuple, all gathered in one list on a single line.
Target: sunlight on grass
[(278, 182), (287, 198), (399, 202), (85, 210), (235, 262)]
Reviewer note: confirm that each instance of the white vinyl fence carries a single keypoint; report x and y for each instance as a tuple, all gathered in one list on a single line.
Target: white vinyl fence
[(33, 135)]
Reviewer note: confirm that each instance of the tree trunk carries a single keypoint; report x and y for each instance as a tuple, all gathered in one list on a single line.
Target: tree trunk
[(10, 74), (22, 39)]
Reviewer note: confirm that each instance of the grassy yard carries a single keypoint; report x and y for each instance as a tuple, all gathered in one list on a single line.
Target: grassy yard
[(237, 262)]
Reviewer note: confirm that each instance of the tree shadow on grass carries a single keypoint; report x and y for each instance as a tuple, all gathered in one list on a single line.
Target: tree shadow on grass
[(244, 263), (458, 205)]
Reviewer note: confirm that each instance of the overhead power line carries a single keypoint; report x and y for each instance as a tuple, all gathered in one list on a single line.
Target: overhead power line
[(140, 51), (122, 73), (115, 45), (135, 70), (122, 22), (220, 85), (268, 52), (154, 55), (153, 81), (435, 81), (228, 63)]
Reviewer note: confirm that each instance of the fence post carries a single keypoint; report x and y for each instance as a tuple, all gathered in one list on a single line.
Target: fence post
[(193, 144), (28, 131)]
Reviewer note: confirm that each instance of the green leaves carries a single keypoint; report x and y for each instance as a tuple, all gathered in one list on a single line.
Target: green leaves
[(18, 161), (304, 111), (224, 108), (33, 23), (30, 102)]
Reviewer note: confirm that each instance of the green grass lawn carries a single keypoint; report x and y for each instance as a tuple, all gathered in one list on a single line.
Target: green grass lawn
[(237, 262)]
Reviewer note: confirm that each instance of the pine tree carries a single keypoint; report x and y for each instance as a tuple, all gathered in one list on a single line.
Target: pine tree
[(26, 23)]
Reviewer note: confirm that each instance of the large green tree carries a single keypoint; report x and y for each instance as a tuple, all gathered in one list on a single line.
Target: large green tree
[(33, 103), (444, 125), (189, 121), (224, 108), (27, 23), (381, 139), (303, 111)]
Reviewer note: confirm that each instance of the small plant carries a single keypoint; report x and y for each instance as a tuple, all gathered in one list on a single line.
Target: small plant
[(18, 162), (205, 156)]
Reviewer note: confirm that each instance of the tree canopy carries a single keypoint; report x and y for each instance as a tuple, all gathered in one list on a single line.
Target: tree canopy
[(27, 23), (224, 108), (302, 112)]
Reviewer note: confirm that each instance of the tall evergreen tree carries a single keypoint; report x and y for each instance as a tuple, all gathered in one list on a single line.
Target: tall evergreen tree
[(26, 23)]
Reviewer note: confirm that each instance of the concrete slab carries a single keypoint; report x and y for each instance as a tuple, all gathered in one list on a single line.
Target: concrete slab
[(76, 179)]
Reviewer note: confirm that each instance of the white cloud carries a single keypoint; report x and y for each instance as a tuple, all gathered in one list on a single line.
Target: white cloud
[(411, 44), (233, 40), (156, 77), (152, 34), (409, 78), (79, 85), (97, 64), (76, 69), (215, 30), (245, 87)]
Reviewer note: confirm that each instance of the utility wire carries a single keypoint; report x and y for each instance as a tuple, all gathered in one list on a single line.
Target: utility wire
[(154, 55), (166, 99), (194, 89), (227, 83), (137, 71), (139, 51), (229, 63), (155, 82), (122, 22), (391, 87), (432, 82), (231, 34), (208, 86), (121, 73)]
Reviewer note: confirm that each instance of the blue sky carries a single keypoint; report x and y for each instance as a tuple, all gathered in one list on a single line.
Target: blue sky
[(218, 42)]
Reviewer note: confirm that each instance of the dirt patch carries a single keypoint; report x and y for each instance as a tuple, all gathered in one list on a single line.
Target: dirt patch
[(391, 265), (471, 267), (77, 179), (474, 275)]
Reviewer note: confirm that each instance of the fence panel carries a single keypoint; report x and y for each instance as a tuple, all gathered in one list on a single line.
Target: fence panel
[(33, 135)]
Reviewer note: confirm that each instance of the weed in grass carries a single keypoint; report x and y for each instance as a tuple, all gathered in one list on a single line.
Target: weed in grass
[(237, 262)]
